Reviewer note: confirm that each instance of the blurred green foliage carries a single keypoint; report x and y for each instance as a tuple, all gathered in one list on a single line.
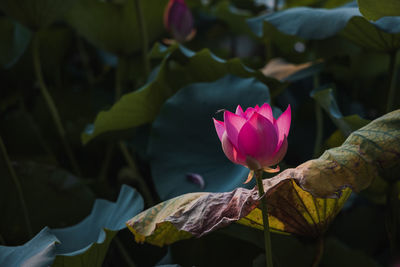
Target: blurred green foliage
[(65, 65)]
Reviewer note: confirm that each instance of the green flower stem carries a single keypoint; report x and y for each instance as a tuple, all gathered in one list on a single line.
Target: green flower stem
[(319, 131), (267, 235), (119, 79), (128, 260), (18, 187), (85, 61), (276, 5), (118, 92), (30, 120), (393, 81), (51, 105), (319, 252), (2, 241), (106, 162), (144, 36), (320, 123), (393, 216), (143, 188)]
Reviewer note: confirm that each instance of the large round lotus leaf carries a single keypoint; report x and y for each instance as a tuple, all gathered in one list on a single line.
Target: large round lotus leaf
[(179, 68), (39, 251), (36, 14), (114, 26), (83, 244), (14, 40), (183, 139), (374, 10), (53, 198), (321, 23)]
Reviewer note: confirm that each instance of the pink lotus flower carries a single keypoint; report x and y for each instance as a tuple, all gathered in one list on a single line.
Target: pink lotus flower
[(179, 20), (254, 138)]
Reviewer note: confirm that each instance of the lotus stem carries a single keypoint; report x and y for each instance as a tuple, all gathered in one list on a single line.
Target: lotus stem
[(264, 209), (319, 253), (319, 131), (85, 61), (144, 36), (276, 5), (393, 216), (18, 187), (320, 123), (393, 82), (119, 79), (2, 241), (143, 188), (106, 162), (124, 253), (51, 105)]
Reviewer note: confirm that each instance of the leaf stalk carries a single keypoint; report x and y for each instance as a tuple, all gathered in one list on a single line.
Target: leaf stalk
[(144, 36), (319, 253), (143, 188), (51, 105), (18, 186), (319, 131), (276, 5), (264, 209), (320, 122), (393, 82)]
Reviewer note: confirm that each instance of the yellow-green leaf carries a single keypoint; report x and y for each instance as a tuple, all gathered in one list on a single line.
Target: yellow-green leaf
[(301, 201), (295, 211), (193, 214), (374, 10), (370, 152), (291, 210)]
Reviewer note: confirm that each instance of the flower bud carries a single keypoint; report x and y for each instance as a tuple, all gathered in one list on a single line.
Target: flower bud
[(178, 19)]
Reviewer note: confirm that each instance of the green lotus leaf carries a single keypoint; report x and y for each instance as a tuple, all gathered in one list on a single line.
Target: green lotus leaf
[(301, 201), (320, 23), (377, 9), (233, 17), (84, 244), (175, 149), (315, 3), (346, 124), (39, 251), (179, 68), (53, 196), (367, 154), (114, 26), (14, 39), (36, 14)]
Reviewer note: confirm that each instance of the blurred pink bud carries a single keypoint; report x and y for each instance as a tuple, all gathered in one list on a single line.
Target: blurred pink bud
[(178, 20), (254, 138)]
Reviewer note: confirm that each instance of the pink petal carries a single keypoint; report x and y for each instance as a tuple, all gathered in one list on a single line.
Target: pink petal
[(231, 152), (277, 157), (282, 124), (249, 112), (239, 111), (233, 124), (178, 19), (220, 128), (266, 111), (257, 138)]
